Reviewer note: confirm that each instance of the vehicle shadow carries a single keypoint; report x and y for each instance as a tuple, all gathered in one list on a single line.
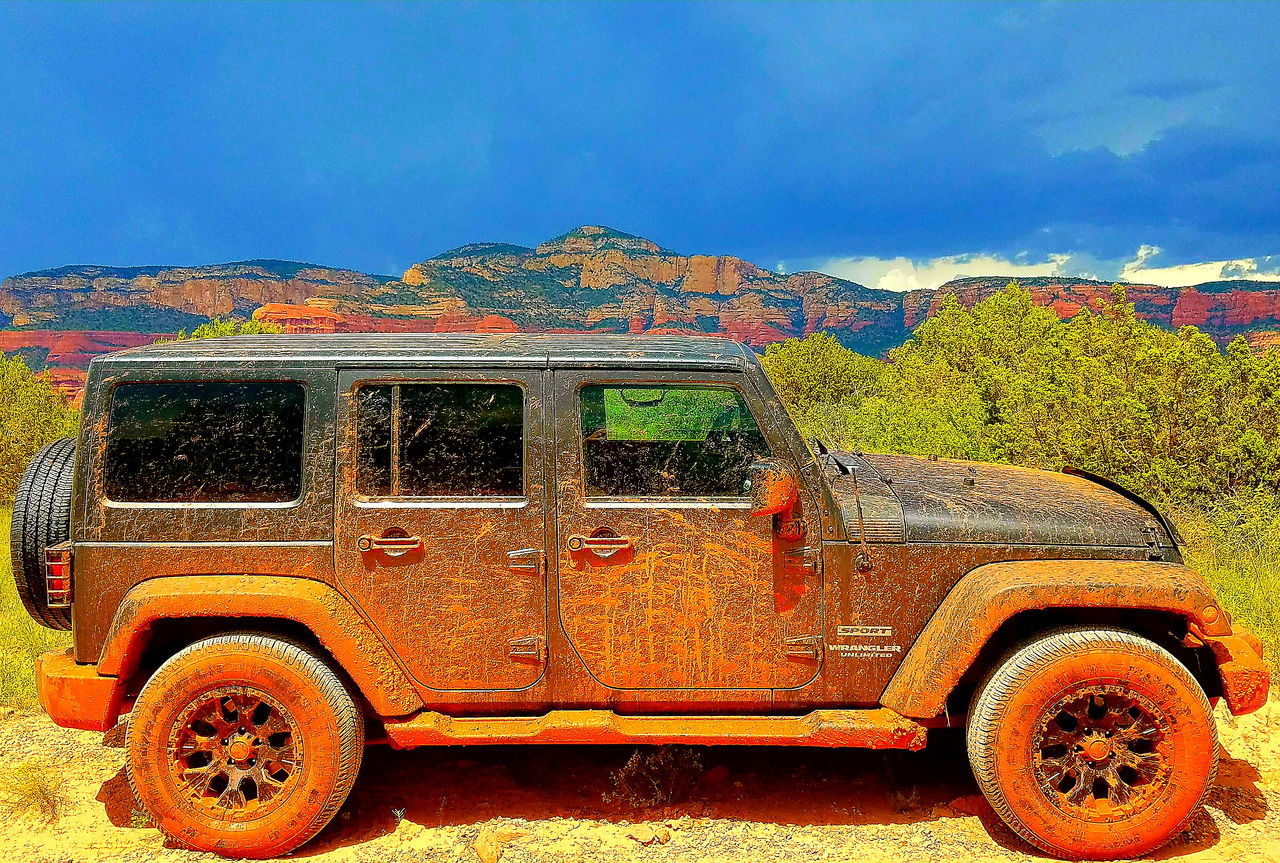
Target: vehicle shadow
[(803, 786), (1236, 793), (454, 786)]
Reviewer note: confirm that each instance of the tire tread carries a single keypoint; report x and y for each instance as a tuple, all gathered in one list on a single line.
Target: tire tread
[(992, 698), (42, 517), (345, 709)]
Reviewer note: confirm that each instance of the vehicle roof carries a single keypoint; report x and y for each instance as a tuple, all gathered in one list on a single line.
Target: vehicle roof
[(460, 349)]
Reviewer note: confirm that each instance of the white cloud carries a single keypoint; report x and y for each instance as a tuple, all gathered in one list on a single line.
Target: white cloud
[(1265, 269), (906, 274)]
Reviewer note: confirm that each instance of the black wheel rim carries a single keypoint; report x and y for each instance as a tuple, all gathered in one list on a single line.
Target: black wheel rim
[(1101, 753), (235, 754)]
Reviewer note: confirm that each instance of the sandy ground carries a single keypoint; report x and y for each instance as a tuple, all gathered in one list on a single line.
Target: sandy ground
[(526, 804)]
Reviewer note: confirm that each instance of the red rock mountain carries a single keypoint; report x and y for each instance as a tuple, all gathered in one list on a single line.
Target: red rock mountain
[(1223, 309), (592, 279)]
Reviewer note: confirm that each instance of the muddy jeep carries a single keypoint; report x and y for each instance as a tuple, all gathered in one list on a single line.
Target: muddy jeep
[(273, 551)]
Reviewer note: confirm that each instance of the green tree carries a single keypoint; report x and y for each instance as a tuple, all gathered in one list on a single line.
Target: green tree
[(821, 382), (818, 369), (32, 413), (1166, 413), (218, 327)]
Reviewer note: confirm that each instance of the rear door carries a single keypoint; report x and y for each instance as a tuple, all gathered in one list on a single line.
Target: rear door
[(441, 520)]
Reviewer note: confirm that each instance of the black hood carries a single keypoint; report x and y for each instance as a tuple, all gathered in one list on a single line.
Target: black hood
[(925, 500)]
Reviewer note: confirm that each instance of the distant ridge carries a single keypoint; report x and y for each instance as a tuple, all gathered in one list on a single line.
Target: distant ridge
[(593, 278), (472, 250), (267, 266)]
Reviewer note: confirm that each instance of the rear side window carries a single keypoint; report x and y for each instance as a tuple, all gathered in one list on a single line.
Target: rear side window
[(199, 442), (646, 441), (440, 440)]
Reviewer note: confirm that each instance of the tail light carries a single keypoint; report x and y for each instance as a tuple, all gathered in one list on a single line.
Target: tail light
[(57, 575)]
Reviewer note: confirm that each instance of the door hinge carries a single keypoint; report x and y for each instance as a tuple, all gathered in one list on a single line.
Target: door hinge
[(532, 647), (525, 560), (803, 646), (805, 558)]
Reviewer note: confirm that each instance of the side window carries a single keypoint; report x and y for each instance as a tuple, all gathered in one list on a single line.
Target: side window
[(440, 440), (669, 441), (203, 442)]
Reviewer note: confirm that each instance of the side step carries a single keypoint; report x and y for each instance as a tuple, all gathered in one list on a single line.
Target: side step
[(880, 728)]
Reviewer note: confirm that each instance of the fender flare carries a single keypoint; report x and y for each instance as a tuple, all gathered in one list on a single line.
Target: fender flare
[(989, 595), (319, 607)]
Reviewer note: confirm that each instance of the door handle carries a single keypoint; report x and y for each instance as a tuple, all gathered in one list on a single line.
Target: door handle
[(601, 546), (393, 542)]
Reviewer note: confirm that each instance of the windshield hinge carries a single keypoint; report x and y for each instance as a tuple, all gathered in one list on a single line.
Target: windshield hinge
[(1151, 534)]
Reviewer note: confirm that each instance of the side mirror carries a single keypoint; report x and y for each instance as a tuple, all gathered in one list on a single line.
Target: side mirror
[(773, 487)]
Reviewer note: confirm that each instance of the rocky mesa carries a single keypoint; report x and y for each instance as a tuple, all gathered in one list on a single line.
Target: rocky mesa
[(591, 279)]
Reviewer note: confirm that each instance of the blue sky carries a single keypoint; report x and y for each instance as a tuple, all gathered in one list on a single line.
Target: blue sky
[(846, 137)]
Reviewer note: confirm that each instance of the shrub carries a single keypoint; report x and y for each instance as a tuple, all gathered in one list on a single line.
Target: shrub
[(32, 789), (1166, 414), (657, 775), (32, 413), (218, 327)]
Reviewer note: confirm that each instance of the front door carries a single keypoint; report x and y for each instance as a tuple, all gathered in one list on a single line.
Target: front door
[(666, 580), (440, 527)]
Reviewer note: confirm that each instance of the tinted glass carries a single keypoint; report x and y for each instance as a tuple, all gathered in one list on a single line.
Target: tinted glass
[(205, 442), (373, 440), (440, 440), (667, 441)]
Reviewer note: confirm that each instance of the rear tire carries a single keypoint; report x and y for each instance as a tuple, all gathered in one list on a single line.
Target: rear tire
[(1093, 744), (245, 745), (41, 518)]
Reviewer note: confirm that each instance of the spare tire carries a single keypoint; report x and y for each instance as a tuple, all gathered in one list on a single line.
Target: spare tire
[(41, 518)]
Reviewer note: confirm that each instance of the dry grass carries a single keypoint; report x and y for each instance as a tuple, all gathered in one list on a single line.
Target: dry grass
[(32, 790), (656, 775), (1236, 546)]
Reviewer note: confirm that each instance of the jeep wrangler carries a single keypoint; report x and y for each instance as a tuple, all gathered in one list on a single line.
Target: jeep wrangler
[(274, 550)]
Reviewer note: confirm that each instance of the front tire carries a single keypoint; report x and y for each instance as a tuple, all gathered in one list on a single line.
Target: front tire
[(1093, 744), (245, 745)]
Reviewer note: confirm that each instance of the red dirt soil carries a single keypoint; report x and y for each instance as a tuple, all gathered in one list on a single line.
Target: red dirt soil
[(537, 804)]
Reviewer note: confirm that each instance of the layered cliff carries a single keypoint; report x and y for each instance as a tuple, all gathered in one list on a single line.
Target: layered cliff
[(592, 279), (1223, 309), (601, 280), (163, 299)]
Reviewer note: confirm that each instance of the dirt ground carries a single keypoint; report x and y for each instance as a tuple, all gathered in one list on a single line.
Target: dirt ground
[(527, 804)]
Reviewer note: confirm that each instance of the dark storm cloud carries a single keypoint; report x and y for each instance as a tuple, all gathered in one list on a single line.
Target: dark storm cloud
[(375, 136)]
